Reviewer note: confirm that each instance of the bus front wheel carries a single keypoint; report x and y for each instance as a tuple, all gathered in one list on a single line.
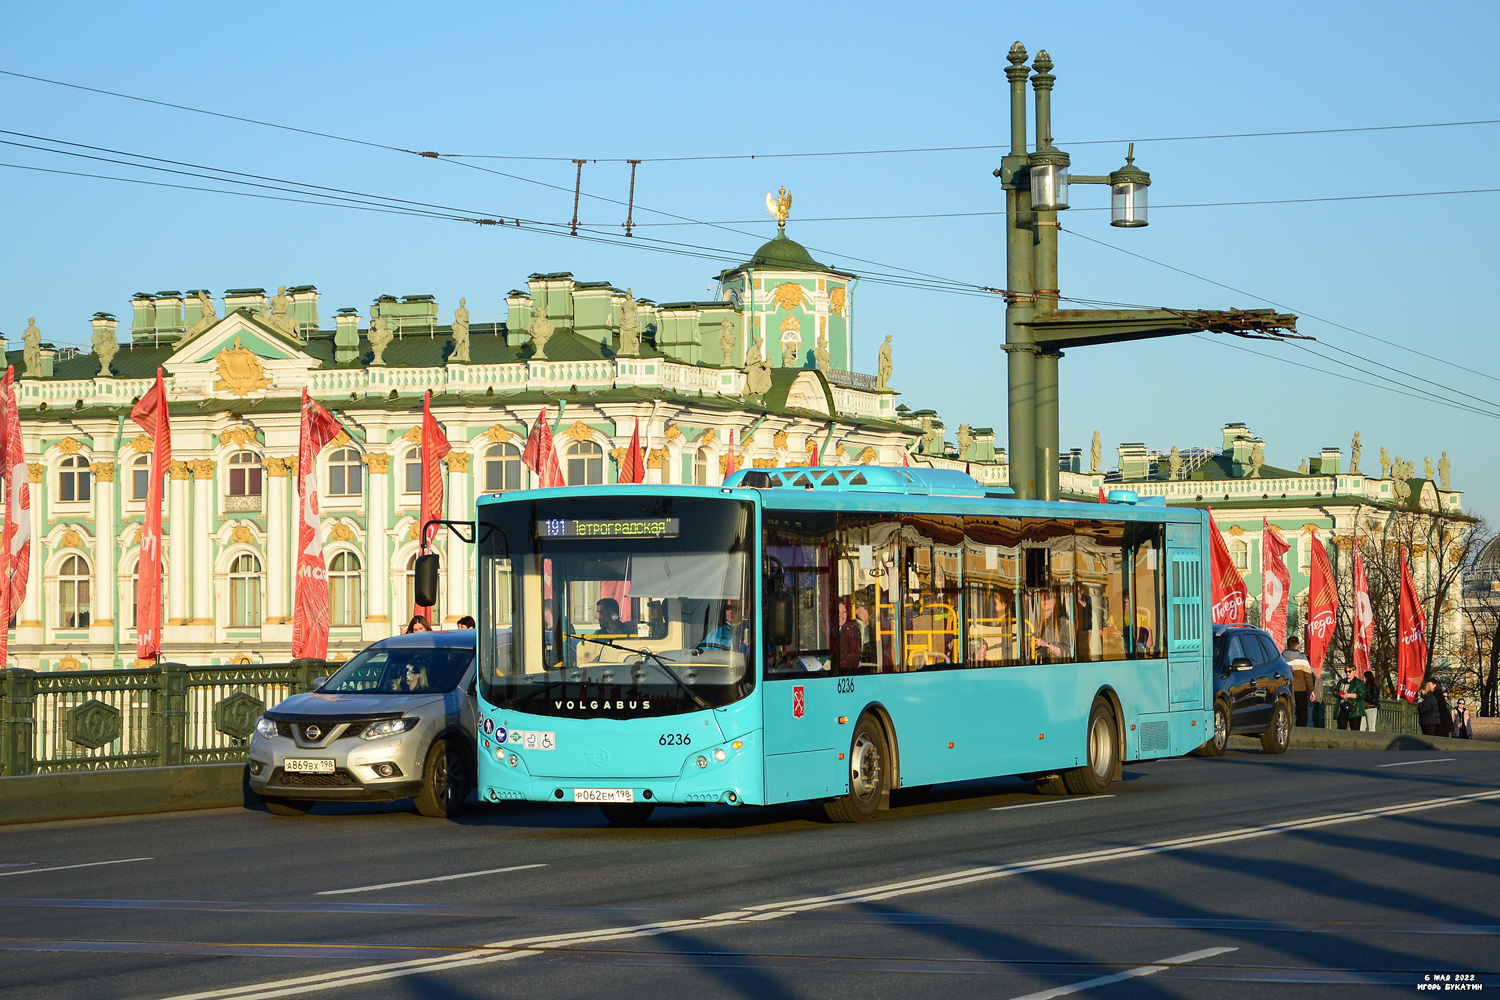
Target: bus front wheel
[(1102, 748), (869, 774)]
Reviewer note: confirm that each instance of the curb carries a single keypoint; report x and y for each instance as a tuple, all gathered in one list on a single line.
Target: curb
[(1348, 739), (35, 798)]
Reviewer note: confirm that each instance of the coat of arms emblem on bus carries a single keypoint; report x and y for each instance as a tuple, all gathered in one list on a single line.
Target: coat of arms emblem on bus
[(799, 703)]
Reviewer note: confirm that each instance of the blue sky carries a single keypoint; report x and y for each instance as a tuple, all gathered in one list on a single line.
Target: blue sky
[(673, 80)]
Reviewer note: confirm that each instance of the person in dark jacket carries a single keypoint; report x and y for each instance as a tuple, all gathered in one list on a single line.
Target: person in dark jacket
[(1445, 714), (1372, 702), (1351, 699), (1430, 709), (1463, 725)]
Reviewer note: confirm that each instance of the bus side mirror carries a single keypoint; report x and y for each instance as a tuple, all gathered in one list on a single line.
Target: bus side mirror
[(778, 624), (425, 581)]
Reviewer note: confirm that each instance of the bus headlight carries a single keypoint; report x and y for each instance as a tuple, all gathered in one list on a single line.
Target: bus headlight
[(719, 755), (702, 761)]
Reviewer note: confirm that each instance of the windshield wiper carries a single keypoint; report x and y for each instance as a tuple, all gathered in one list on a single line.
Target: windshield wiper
[(646, 652)]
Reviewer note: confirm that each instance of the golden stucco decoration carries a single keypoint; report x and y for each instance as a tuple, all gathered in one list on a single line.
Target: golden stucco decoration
[(379, 463), (779, 205), (778, 440), (104, 472), (341, 532), (240, 436), (580, 431), (242, 535), (673, 433), (70, 662), (498, 435), (340, 439), (457, 461), (837, 299), (656, 458), (68, 446), (788, 295), (414, 435), (867, 457), (708, 437), (240, 371), (70, 540), (140, 443), (791, 323)]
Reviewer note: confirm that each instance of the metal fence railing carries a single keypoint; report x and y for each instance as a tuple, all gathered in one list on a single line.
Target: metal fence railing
[(156, 716)]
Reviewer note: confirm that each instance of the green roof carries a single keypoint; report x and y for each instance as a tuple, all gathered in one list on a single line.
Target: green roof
[(784, 254)]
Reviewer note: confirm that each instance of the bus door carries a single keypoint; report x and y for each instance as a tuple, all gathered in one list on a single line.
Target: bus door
[(1187, 617)]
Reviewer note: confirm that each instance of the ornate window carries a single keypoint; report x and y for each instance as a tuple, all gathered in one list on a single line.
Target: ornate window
[(701, 463), (1239, 552), (345, 474), (73, 592), (244, 592), (344, 574), (585, 464), (502, 468), (73, 479), (412, 467), (244, 474), (140, 477)]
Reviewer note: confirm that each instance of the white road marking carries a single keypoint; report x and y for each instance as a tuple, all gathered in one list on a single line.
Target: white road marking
[(1051, 802), (1403, 763), (1144, 970), (504, 951), (60, 868), (424, 881)]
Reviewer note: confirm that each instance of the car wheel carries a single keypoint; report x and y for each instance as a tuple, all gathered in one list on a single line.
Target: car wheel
[(444, 781), (1217, 743), (1102, 749), (288, 807), (1278, 737), (627, 813), (869, 774)]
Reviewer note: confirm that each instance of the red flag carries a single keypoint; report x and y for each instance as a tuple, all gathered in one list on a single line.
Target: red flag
[(15, 543), (1229, 591), (813, 460), (905, 461), (1411, 646), (434, 447), (729, 465), (633, 468), (311, 614), (540, 455), (1364, 616), (1322, 607), (1102, 500), (151, 414), (1275, 581)]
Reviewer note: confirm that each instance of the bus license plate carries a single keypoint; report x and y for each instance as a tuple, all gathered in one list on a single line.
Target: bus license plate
[(603, 795), (306, 765)]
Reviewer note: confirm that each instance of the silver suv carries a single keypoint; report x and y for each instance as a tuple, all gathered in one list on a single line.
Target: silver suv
[(397, 721)]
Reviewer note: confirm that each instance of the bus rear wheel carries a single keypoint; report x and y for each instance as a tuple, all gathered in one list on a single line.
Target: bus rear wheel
[(1102, 750), (869, 774), (627, 814)]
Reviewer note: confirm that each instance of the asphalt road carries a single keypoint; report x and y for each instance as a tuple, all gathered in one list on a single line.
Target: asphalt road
[(1319, 874)]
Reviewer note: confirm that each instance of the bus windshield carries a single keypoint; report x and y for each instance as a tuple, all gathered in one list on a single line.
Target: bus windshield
[(615, 606)]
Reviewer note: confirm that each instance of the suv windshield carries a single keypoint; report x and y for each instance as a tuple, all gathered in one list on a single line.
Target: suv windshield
[(402, 670), (616, 606)]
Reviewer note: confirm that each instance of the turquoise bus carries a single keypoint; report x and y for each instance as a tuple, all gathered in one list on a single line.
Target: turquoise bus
[(830, 634)]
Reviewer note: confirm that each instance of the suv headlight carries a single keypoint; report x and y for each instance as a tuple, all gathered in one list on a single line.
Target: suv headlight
[(388, 727), (265, 727)]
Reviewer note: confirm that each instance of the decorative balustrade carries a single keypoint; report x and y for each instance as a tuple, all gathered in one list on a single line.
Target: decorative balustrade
[(152, 717)]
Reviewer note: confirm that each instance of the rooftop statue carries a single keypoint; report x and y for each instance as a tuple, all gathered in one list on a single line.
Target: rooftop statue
[(1427, 468), (1174, 463), (33, 352), (757, 372), (1354, 448), (1302, 469), (380, 339), (541, 328), (1385, 463), (208, 319), (883, 372), (779, 207), (1443, 468), (726, 342), (932, 438), (279, 317), (1094, 451), (965, 438), (820, 353), (1257, 459), (461, 332), (630, 328)]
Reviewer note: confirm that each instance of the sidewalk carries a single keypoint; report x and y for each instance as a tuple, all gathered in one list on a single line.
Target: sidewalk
[(1348, 739)]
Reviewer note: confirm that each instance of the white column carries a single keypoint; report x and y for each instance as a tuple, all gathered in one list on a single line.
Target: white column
[(178, 544), (278, 544), (202, 586), (457, 555), (377, 548), (106, 606)]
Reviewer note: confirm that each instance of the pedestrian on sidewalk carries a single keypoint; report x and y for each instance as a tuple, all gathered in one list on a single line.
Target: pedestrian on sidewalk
[(1351, 699), (1372, 703), (1445, 714), (1463, 726), (1429, 709), (1302, 677)]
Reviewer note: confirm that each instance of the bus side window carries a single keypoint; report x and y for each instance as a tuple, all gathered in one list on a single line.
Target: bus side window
[(1050, 614), (868, 585), (992, 578), (1147, 591), (799, 547), (931, 549), (1100, 590)]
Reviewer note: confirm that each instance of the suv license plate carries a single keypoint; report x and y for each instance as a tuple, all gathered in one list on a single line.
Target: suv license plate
[(603, 795), (304, 765)]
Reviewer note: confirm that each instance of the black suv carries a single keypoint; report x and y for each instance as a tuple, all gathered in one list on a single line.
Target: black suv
[(1252, 690)]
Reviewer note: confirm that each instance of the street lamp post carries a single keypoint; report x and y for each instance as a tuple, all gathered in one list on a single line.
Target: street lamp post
[(1036, 330)]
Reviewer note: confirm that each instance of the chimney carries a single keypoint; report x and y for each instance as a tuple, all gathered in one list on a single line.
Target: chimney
[(1135, 461), (517, 317), (346, 339), (143, 326), (304, 307), (252, 300), (1329, 461), (1233, 433), (169, 315), (192, 308)]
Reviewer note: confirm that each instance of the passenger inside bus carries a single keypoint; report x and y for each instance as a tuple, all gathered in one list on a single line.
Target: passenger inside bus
[(1051, 628)]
